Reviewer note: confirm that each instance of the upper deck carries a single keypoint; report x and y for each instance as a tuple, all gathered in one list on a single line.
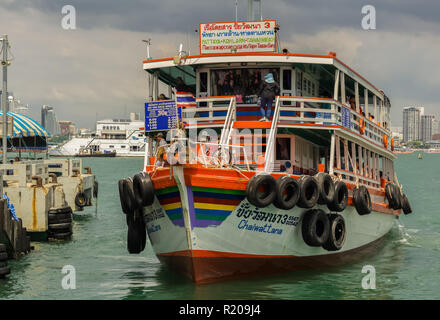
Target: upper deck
[(317, 92)]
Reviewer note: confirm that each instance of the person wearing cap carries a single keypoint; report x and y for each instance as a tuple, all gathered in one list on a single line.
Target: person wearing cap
[(269, 89)]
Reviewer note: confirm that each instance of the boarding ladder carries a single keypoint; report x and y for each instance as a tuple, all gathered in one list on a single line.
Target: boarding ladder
[(272, 136)]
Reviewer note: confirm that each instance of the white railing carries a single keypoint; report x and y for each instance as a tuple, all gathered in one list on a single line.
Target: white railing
[(192, 115), (311, 111), (230, 118)]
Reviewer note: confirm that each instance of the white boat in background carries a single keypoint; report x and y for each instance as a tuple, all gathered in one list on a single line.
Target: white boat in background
[(124, 136)]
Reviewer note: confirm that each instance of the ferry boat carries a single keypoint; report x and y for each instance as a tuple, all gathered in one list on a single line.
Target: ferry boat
[(313, 186), (113, 137)]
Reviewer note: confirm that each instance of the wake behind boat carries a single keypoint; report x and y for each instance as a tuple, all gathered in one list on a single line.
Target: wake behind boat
[(234, 196)]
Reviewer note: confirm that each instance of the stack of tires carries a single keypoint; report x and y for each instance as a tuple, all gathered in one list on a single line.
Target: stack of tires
[(135, 194), (318, 227), (60, 223), (4, 268)]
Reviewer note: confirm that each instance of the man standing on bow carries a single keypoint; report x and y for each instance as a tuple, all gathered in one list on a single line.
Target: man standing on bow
[(269, 89)]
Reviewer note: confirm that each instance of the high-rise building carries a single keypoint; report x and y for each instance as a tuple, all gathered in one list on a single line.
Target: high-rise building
[(49, 120), (411, 123), (426, 127)]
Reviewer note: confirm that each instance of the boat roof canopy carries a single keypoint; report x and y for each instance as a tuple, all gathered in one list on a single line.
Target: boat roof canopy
[(169, 69)]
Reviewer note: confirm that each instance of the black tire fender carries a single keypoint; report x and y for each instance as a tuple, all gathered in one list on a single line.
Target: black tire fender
[(136, 235), (406, 207), (340, 198), (309, 192), (315, 227), (128, 195), (362, 200), (390, 195), (397, 197), (326, 187), (81, 199), (143, 189), (287, 193), (337, 233), (265, 198)]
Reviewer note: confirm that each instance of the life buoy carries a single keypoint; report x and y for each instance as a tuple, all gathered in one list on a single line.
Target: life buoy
[(260, 190), (287, 193), (362, 200), (326, 187), (392, 144), (385, 141), (361, 125), (406, 207), (315, 227), (309, 192), (340, 198), (143, 189), (337, 232)]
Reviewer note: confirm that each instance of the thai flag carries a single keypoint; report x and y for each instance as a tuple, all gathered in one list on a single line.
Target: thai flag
[(185, 99)]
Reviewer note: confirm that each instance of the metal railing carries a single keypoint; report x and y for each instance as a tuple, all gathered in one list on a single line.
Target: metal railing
[(194, 115)]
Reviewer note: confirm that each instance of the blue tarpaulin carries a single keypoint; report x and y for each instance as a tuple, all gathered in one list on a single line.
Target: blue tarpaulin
[(10, 207)]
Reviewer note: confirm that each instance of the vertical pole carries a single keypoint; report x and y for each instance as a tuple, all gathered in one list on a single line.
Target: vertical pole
[(366, 102), (376, 119), (356, 93), (343, 97), (332, 154), (5, 97)]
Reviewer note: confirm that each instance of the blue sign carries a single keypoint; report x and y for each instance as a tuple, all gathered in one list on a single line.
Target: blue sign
[(161, 115), (346, 117)]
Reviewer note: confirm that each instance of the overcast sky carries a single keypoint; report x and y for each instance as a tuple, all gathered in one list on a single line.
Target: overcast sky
[(95, 71)]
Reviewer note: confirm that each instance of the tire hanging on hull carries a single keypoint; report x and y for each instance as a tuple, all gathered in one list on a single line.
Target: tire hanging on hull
[(315, 227), (362, 200), (326, 187), (337, 233), (309, 192), (340, 198), (143, 189), (287, 193), (260, 190)]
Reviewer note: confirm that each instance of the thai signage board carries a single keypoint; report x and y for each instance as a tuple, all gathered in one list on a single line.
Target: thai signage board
[(346, 117), (161, 115), (240, 36)]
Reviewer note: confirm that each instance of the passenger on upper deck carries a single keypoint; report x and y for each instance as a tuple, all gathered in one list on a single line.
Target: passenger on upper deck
[(180, 85), (269, 89)]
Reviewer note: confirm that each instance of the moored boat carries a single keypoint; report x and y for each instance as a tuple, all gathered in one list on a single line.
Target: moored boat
[(313, 186)]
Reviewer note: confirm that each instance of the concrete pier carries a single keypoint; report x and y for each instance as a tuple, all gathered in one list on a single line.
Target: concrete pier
[(41, 189)]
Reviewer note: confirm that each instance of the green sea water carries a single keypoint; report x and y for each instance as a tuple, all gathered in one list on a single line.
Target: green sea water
[(407, 264)]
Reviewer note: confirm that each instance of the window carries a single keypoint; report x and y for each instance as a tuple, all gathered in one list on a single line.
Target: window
[(203, 82), (283, 149), (111, 146), (287, 79), (243, 82)]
